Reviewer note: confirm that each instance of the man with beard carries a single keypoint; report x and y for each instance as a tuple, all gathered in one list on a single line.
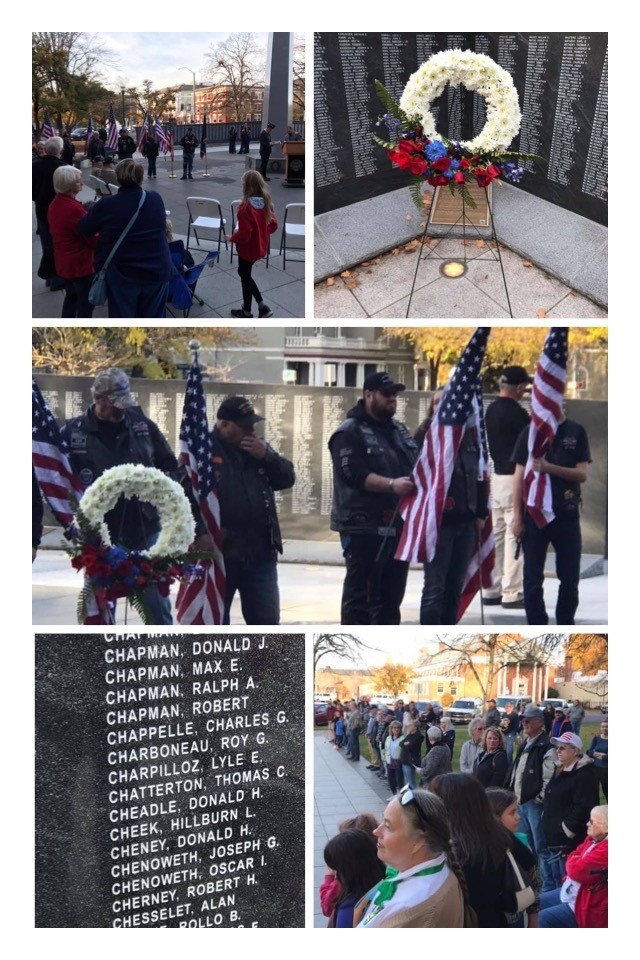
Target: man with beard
[(373, 456)]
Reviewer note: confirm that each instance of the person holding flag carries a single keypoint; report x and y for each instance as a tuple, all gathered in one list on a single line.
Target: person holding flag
[(551, 456), (143, 135), (47, 129), (112, 139), (445, 517)]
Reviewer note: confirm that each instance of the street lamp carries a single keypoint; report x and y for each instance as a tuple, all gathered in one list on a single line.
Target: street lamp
[(122, 92), (193, 73)]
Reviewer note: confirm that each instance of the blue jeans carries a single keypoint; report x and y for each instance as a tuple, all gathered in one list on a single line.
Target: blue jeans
[(566, 539), (558, 867), (353, 745), (531, 820), (509, 742), (76, 299), (553, 913), (128, 298), (257, 584), (409, 774), (187, 164), (444, 577)]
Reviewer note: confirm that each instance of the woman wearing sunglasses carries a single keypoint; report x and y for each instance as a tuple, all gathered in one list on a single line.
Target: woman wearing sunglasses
[(424, 886)]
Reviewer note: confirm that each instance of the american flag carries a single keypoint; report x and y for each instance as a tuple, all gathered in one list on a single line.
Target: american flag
[(143, 133), (422, 510), (50, 454), (201, 601), (112, 142), (546, 409), (161, 136), (483, 561), (203, 140), (47, 129), (90, 132), (170, 143)]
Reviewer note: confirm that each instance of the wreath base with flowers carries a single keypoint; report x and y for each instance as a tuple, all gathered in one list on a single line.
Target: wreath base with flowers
[(416, 147), (110, 570)]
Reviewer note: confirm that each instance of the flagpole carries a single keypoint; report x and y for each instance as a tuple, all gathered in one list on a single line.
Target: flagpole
[(478, 547)]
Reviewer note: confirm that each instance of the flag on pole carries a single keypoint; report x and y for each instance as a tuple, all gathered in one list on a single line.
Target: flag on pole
[(112, 141), (47, 129), (170, 143), (203, 140), (143, 133), (161, 136), (90, 132), (50, 457), (546, 410), (201, 600), (422, 510), (483, 561)]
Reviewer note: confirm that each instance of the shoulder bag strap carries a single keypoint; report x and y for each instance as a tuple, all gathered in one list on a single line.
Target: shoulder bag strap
[(124, 232)]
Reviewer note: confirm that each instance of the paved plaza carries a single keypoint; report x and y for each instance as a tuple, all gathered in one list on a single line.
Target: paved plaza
[(380, 288), (219, 286), (310, 578)]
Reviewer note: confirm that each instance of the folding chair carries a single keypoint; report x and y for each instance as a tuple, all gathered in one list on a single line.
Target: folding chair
[(205, 214), (101, 188), (234, 208), (112, 188), (182, 286), (292, 227)]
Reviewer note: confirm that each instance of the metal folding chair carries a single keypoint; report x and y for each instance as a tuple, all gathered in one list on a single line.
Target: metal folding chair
[(205, 215), (292, 228)]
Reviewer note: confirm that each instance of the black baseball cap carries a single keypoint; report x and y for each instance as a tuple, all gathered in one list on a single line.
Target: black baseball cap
[(515, 376), (382, 381), (239, 410)]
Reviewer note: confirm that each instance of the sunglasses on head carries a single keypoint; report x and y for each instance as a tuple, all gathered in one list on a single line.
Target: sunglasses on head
[(406, 796)]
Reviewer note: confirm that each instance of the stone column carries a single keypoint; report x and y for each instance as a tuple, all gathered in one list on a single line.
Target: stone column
[(278, 92)]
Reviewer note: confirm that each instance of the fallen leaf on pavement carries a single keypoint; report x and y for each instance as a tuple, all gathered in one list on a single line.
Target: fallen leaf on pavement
[(542, 314), (346, 273), (366, 263), (350, 284), (377, 259), (331, 282), (395, 252), (526, 263), (408, 217), (573, 293), (479, 243)]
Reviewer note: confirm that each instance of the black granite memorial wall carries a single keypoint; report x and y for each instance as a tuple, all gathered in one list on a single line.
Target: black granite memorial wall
[(299, 422), (561, 80), (169, 780)]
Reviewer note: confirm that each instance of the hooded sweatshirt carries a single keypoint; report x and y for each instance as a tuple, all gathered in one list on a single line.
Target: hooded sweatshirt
[(251, 236)]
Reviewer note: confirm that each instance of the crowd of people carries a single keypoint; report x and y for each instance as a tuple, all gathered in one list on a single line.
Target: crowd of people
[(374, 455), (516, 837), (123, 239)]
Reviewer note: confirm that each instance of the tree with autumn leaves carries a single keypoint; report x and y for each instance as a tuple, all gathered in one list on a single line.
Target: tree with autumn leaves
[(392, 678), (441, 347)]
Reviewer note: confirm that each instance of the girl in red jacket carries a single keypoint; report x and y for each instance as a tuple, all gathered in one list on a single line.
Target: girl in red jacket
[(256, 220)]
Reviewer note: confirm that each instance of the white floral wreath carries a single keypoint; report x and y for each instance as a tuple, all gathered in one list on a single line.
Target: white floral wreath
[(476, 72), (135, 480)]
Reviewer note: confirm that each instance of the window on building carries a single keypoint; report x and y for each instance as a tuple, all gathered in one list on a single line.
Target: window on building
[(440, 688), (351, 374), (302, 371), (453, 690), (370, 368), (330, 374)]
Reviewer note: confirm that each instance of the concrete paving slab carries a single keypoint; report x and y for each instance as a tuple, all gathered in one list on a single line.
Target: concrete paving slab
[(446, 298), (573, 306), (336, 301), (310, 594), (530, 290)]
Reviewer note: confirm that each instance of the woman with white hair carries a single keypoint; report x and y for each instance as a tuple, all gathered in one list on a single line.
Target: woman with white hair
[(73, 253), (438, 758), (583, 899)]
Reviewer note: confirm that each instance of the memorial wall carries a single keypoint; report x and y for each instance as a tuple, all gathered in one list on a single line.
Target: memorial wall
[(562, 86), (169, 780), (299, 422)]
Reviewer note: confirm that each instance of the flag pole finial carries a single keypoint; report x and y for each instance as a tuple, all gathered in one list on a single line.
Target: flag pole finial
[(194, 347)]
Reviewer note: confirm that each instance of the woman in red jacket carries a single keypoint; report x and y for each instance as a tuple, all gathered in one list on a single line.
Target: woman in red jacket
[(256, 221), (583, 899), (73, 253)]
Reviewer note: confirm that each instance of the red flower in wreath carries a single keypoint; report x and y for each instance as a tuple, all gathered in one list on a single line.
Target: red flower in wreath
[(437, 180), (442, 164)]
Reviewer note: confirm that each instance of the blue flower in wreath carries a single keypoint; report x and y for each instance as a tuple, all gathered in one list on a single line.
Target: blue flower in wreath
[(435, 150), (454, 165), (116, 555)]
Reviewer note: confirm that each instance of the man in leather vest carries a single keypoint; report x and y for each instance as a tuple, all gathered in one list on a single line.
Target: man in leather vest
[(248, 471), (373, 456), (114, 431), (528, 778)]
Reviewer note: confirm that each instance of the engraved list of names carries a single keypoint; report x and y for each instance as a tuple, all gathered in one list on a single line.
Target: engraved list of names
[(161, 777)]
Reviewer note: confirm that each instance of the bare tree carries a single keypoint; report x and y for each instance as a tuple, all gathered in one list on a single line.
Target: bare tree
[(236, 67), (299, 64), (340, 644), (484, 655)]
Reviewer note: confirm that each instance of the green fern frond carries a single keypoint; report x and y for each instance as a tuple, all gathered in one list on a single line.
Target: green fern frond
[(84, 600), (415, 189)]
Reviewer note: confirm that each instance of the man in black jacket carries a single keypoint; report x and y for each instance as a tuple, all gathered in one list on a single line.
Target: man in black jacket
[(265, 149), (248, 471), (126, 146), (114, 431), (373, 456), (188, 144), (530, 773)]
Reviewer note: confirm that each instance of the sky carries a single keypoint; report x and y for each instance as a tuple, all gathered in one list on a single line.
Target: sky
[(158, 57)]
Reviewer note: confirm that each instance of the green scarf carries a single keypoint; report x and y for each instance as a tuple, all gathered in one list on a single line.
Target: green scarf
[(387, 887)]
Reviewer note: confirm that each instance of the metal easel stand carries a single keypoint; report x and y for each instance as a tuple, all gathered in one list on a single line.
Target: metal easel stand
[(487, 253)]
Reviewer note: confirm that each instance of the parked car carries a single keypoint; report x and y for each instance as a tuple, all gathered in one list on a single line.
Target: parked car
[(320, 714), (79, 133), (322, 698), (463, 711), (421, 706), (556, 702), (519, 703)]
